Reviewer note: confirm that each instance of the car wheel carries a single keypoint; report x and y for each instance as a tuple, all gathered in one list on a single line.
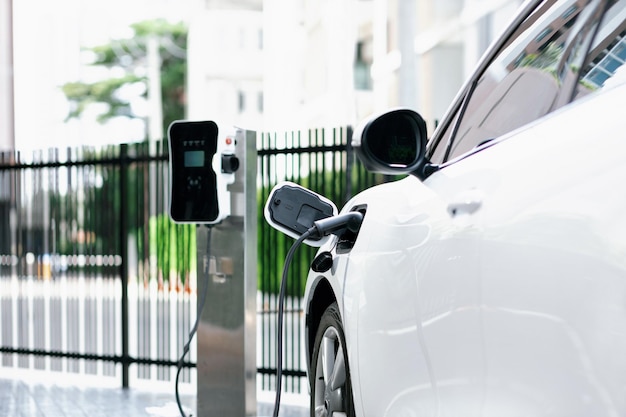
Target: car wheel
[(331, 392)]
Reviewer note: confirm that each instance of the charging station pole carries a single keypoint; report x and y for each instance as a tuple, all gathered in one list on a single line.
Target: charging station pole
[(226, 336)]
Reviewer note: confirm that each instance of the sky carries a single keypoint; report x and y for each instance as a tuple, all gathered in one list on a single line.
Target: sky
[(48, 37)]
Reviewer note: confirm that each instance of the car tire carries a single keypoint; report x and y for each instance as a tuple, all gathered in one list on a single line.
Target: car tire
[(331, 387)]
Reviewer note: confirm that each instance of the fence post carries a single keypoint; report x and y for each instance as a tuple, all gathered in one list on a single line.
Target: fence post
[(349, 164), (123, 227)]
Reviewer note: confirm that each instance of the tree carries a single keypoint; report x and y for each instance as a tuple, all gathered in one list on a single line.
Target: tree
[(170, 247), (130, 56)]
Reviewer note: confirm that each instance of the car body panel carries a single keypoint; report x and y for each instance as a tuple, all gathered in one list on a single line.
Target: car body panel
[(416, 266), (553, 264)]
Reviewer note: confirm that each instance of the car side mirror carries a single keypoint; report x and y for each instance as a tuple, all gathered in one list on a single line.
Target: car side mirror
[(393, 143)]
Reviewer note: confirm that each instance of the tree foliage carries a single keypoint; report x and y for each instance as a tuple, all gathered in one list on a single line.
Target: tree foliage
[(127, 59), (545, 59)]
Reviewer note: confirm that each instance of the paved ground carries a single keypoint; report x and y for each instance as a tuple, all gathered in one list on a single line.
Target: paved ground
[(27, 397)]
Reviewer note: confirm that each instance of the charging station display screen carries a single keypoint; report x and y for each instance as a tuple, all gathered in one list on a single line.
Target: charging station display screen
[(194, 159), (193, 197)]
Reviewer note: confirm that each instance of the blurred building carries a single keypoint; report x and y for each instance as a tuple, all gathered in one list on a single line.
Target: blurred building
[(269, 64), (225, 62), (287, 64), (429, 49)]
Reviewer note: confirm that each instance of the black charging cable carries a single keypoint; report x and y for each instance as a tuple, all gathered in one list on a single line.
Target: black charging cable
[(194, 329), (331, 225), (279, 329)]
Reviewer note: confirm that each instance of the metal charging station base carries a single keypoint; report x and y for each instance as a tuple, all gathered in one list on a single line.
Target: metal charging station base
[(226, 336)]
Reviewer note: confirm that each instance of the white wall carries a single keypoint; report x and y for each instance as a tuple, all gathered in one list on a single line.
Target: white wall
[(308, 74), (6, 77), (448, 39), (225, 67)]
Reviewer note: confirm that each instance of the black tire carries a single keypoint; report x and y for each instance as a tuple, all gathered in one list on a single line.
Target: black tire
[(331, 387)]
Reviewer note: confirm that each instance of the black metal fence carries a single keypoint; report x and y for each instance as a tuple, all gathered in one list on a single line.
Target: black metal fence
[(95, 279)]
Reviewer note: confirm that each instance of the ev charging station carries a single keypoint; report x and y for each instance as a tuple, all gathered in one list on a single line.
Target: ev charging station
[(213, 184)]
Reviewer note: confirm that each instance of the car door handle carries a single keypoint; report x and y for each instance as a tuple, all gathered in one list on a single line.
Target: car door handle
[(467, 202)]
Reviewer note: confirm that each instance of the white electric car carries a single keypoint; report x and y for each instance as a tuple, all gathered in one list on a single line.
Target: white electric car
[(491, 281)]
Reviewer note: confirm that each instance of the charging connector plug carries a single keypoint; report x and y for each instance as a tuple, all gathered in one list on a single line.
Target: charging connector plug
[(333, 225)]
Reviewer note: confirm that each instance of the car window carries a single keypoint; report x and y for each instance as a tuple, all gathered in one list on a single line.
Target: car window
[(538, 71), (604, 63)]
